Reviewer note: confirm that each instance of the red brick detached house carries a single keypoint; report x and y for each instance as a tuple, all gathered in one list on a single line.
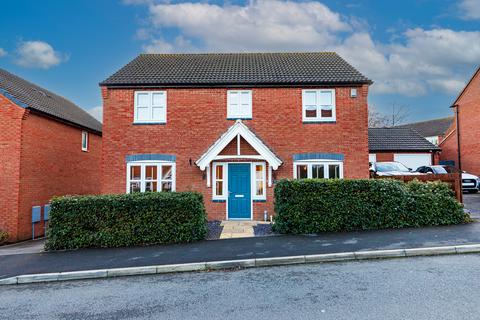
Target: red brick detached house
[(230, 125), (461, 144), (48, 147)]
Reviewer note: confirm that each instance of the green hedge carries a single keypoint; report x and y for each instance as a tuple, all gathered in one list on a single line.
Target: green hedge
[(316, 205), (126, 220)]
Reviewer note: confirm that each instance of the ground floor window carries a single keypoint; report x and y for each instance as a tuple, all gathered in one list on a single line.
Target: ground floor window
[(318, 170), (259, 181), (219, 178), (150, 176)]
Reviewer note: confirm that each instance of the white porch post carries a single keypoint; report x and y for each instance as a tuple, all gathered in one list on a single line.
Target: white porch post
[(269, 175), (208, 176)]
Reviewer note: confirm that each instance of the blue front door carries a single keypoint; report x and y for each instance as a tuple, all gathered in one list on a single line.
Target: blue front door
[(239, 191)]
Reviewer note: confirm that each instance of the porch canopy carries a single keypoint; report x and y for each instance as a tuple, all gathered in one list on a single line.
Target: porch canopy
[(237, 131)]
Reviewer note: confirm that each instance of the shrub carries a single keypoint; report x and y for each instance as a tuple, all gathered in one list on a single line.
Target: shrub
[(125, 220), (3, 236), (317, 205)]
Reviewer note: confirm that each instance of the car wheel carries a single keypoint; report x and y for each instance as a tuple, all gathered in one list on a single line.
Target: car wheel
[(474, 191)]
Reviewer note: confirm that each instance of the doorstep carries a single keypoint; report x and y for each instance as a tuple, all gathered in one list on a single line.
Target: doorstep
[(238, 229)]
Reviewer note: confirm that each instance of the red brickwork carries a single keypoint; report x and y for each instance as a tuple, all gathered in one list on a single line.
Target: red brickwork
[(10, 145), (469, 119), (197, 117), (41, 158)]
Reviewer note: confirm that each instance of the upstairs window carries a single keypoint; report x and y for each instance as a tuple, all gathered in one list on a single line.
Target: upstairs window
[(318, 105), (239, 104), (84, 141), (150, 107)]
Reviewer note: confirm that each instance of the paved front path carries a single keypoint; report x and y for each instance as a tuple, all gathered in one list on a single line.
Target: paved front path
[(434, 288), (233, 249)]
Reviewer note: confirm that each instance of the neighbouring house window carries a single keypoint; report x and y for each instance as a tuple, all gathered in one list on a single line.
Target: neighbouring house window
[(219, 186), (150, 107), (259, 180), (239, 104), (84, 141), (318, 105), (150, 176), (318, 170)]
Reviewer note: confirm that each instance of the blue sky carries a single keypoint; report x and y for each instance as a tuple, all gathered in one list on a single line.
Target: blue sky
[(419, 52)]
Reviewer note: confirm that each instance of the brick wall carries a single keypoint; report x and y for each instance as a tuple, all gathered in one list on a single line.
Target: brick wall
[(53, 164), (469, 119), (10, 140), (197, 117)]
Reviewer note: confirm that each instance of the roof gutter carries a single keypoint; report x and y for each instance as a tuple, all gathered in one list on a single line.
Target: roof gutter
[(230, 85), (72, 124)]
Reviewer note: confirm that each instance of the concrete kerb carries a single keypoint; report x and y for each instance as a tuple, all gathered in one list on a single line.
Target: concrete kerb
[(245, 263)]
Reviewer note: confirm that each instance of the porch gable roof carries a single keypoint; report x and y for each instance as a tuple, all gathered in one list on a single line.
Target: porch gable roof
[(239, 128)]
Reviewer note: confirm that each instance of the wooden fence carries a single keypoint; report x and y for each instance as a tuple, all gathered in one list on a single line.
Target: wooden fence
[(453, 179)]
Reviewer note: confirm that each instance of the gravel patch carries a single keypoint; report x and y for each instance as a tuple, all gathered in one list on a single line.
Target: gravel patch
[(214, 230), (263, 229)]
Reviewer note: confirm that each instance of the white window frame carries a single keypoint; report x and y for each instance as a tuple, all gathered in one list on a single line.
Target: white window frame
[(224, 179), (85, 138), (319, 106), (152, 120), (159, 165), (246, 114), (254, 181), (325, 163)]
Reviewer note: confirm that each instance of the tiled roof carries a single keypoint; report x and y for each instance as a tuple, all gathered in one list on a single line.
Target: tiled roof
[(397, 139), (430, 128), (29, 95), (285, 69)]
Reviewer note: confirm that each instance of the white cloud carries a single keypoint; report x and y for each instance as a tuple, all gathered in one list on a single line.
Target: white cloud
[(38, 54), (259, 25), (415, 62), (2, 52), (422, 60), (470, 9), (96, 112)]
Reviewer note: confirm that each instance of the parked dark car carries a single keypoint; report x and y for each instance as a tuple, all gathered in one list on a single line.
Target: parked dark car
[(470, 182)]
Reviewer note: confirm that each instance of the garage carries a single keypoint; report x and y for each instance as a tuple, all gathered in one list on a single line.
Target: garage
[(413, 160), (403, 145)]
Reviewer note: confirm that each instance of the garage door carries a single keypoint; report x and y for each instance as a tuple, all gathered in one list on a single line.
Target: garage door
[(413, 160)]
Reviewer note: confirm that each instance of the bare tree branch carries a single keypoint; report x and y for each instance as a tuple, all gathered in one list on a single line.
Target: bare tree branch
[(399, 114)]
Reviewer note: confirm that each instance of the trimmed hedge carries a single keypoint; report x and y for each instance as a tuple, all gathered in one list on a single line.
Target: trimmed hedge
[(317, 205), (3, 236), (126, 220)]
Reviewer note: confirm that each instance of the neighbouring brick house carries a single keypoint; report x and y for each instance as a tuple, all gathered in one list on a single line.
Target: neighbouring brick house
[(464, 132), (230, 125), (48, 147), (432, 130), (403, 145)]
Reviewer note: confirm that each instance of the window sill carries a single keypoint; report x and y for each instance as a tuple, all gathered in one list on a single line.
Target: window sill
[(148, 123), (319, 121), (219, 200), (240, 118), (259, 200)]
